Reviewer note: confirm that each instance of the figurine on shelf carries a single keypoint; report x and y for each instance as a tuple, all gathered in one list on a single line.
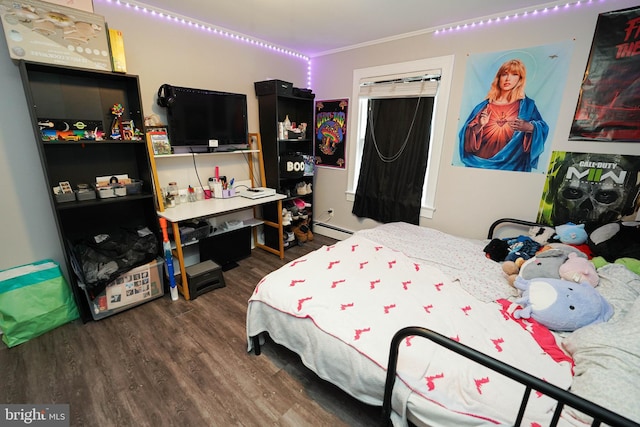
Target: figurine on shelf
[(117, 128), (123, 129)]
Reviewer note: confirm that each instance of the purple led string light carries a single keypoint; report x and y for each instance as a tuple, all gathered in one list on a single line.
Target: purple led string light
[(506, 18), (175, 18)]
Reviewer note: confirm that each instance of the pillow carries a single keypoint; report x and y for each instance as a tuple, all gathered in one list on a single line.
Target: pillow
[(620, 286), (607, 364)]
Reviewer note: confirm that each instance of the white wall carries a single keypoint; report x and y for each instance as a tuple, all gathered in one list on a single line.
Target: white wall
[(159, 52), (469, 199)]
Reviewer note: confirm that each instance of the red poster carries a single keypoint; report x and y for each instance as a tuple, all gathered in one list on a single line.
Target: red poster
[(609, 105)]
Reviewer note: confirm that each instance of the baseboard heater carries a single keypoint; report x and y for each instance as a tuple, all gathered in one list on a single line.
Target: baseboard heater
[(332, 227)]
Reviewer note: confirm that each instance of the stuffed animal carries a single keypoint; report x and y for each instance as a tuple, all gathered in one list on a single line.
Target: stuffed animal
[(561, 305), (152, 120), (542, 234), (545, 264), (616, 240), (548, 262), (567, 249), (579, 270), (511, 269), (571, 233)]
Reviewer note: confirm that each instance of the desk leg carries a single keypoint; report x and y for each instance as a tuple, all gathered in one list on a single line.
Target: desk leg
[(280, 230), (183, 287)]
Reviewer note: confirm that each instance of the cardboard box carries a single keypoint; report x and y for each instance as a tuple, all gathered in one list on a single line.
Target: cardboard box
[(45, 32), (136, 286), (86, 5)]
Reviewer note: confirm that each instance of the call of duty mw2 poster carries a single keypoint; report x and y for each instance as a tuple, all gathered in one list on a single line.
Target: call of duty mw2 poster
[(590, 189), (609, 105)]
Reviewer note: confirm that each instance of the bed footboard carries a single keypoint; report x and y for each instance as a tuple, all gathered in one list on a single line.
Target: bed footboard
[(563, 397)]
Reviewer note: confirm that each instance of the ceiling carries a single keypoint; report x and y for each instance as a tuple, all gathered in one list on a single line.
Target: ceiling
[(313, 27)]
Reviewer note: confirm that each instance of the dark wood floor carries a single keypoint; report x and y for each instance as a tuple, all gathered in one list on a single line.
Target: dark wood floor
[(180, 363)]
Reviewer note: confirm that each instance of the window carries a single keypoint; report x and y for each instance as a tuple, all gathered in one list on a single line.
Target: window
[(405, 79)]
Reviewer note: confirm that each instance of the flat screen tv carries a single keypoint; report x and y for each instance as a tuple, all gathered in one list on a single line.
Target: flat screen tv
[(206, 120)]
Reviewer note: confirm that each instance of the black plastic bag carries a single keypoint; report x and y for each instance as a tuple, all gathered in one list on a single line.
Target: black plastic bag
[(103, 257)]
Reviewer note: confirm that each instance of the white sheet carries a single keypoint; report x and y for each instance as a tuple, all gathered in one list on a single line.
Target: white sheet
[(459, 258), (361, 293)]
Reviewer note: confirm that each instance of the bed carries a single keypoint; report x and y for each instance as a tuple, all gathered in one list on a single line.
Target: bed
[(341, 306)]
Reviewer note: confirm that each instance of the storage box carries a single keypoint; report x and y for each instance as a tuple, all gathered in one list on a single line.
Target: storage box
[(291, 134), (136, 286), (57, 34), (134, 187), (116, 42), (85, 195), (113, 190), (270, 87), (86, 5), (193, 230), (65, 197), (303, 93), (228, 193)]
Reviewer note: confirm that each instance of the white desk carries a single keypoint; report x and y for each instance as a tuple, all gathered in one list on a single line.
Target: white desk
[(212, 207)]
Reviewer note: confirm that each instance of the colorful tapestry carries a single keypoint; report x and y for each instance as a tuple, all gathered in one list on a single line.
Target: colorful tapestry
[(331, 133)]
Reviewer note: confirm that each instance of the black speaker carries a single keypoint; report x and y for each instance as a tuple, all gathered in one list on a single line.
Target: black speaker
[(166, 95)]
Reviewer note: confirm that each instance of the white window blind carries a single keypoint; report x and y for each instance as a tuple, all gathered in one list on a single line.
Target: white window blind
[(423, 84)]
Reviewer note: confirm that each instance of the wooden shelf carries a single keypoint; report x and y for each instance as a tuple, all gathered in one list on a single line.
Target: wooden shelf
[(69, 93), (219, 153)]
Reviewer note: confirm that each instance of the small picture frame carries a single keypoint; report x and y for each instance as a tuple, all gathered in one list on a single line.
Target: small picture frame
[(65, 187)]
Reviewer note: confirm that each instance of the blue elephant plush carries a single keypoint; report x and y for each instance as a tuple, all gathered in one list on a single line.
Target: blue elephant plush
[(561, 305)]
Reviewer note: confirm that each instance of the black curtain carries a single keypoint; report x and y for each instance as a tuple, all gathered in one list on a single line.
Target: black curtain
[(391, 191)]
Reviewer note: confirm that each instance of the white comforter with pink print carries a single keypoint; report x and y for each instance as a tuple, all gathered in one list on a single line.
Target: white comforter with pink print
[(362, 292)]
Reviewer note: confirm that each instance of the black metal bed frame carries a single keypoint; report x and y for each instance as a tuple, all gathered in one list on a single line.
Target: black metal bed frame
[(497, 223), (563, 397)]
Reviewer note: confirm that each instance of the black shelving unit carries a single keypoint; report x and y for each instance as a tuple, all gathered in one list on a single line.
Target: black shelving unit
[(273, 109), (63, 93)]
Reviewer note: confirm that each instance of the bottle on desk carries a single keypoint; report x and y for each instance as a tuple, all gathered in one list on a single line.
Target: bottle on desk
[(173, 194), (215, 185)]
